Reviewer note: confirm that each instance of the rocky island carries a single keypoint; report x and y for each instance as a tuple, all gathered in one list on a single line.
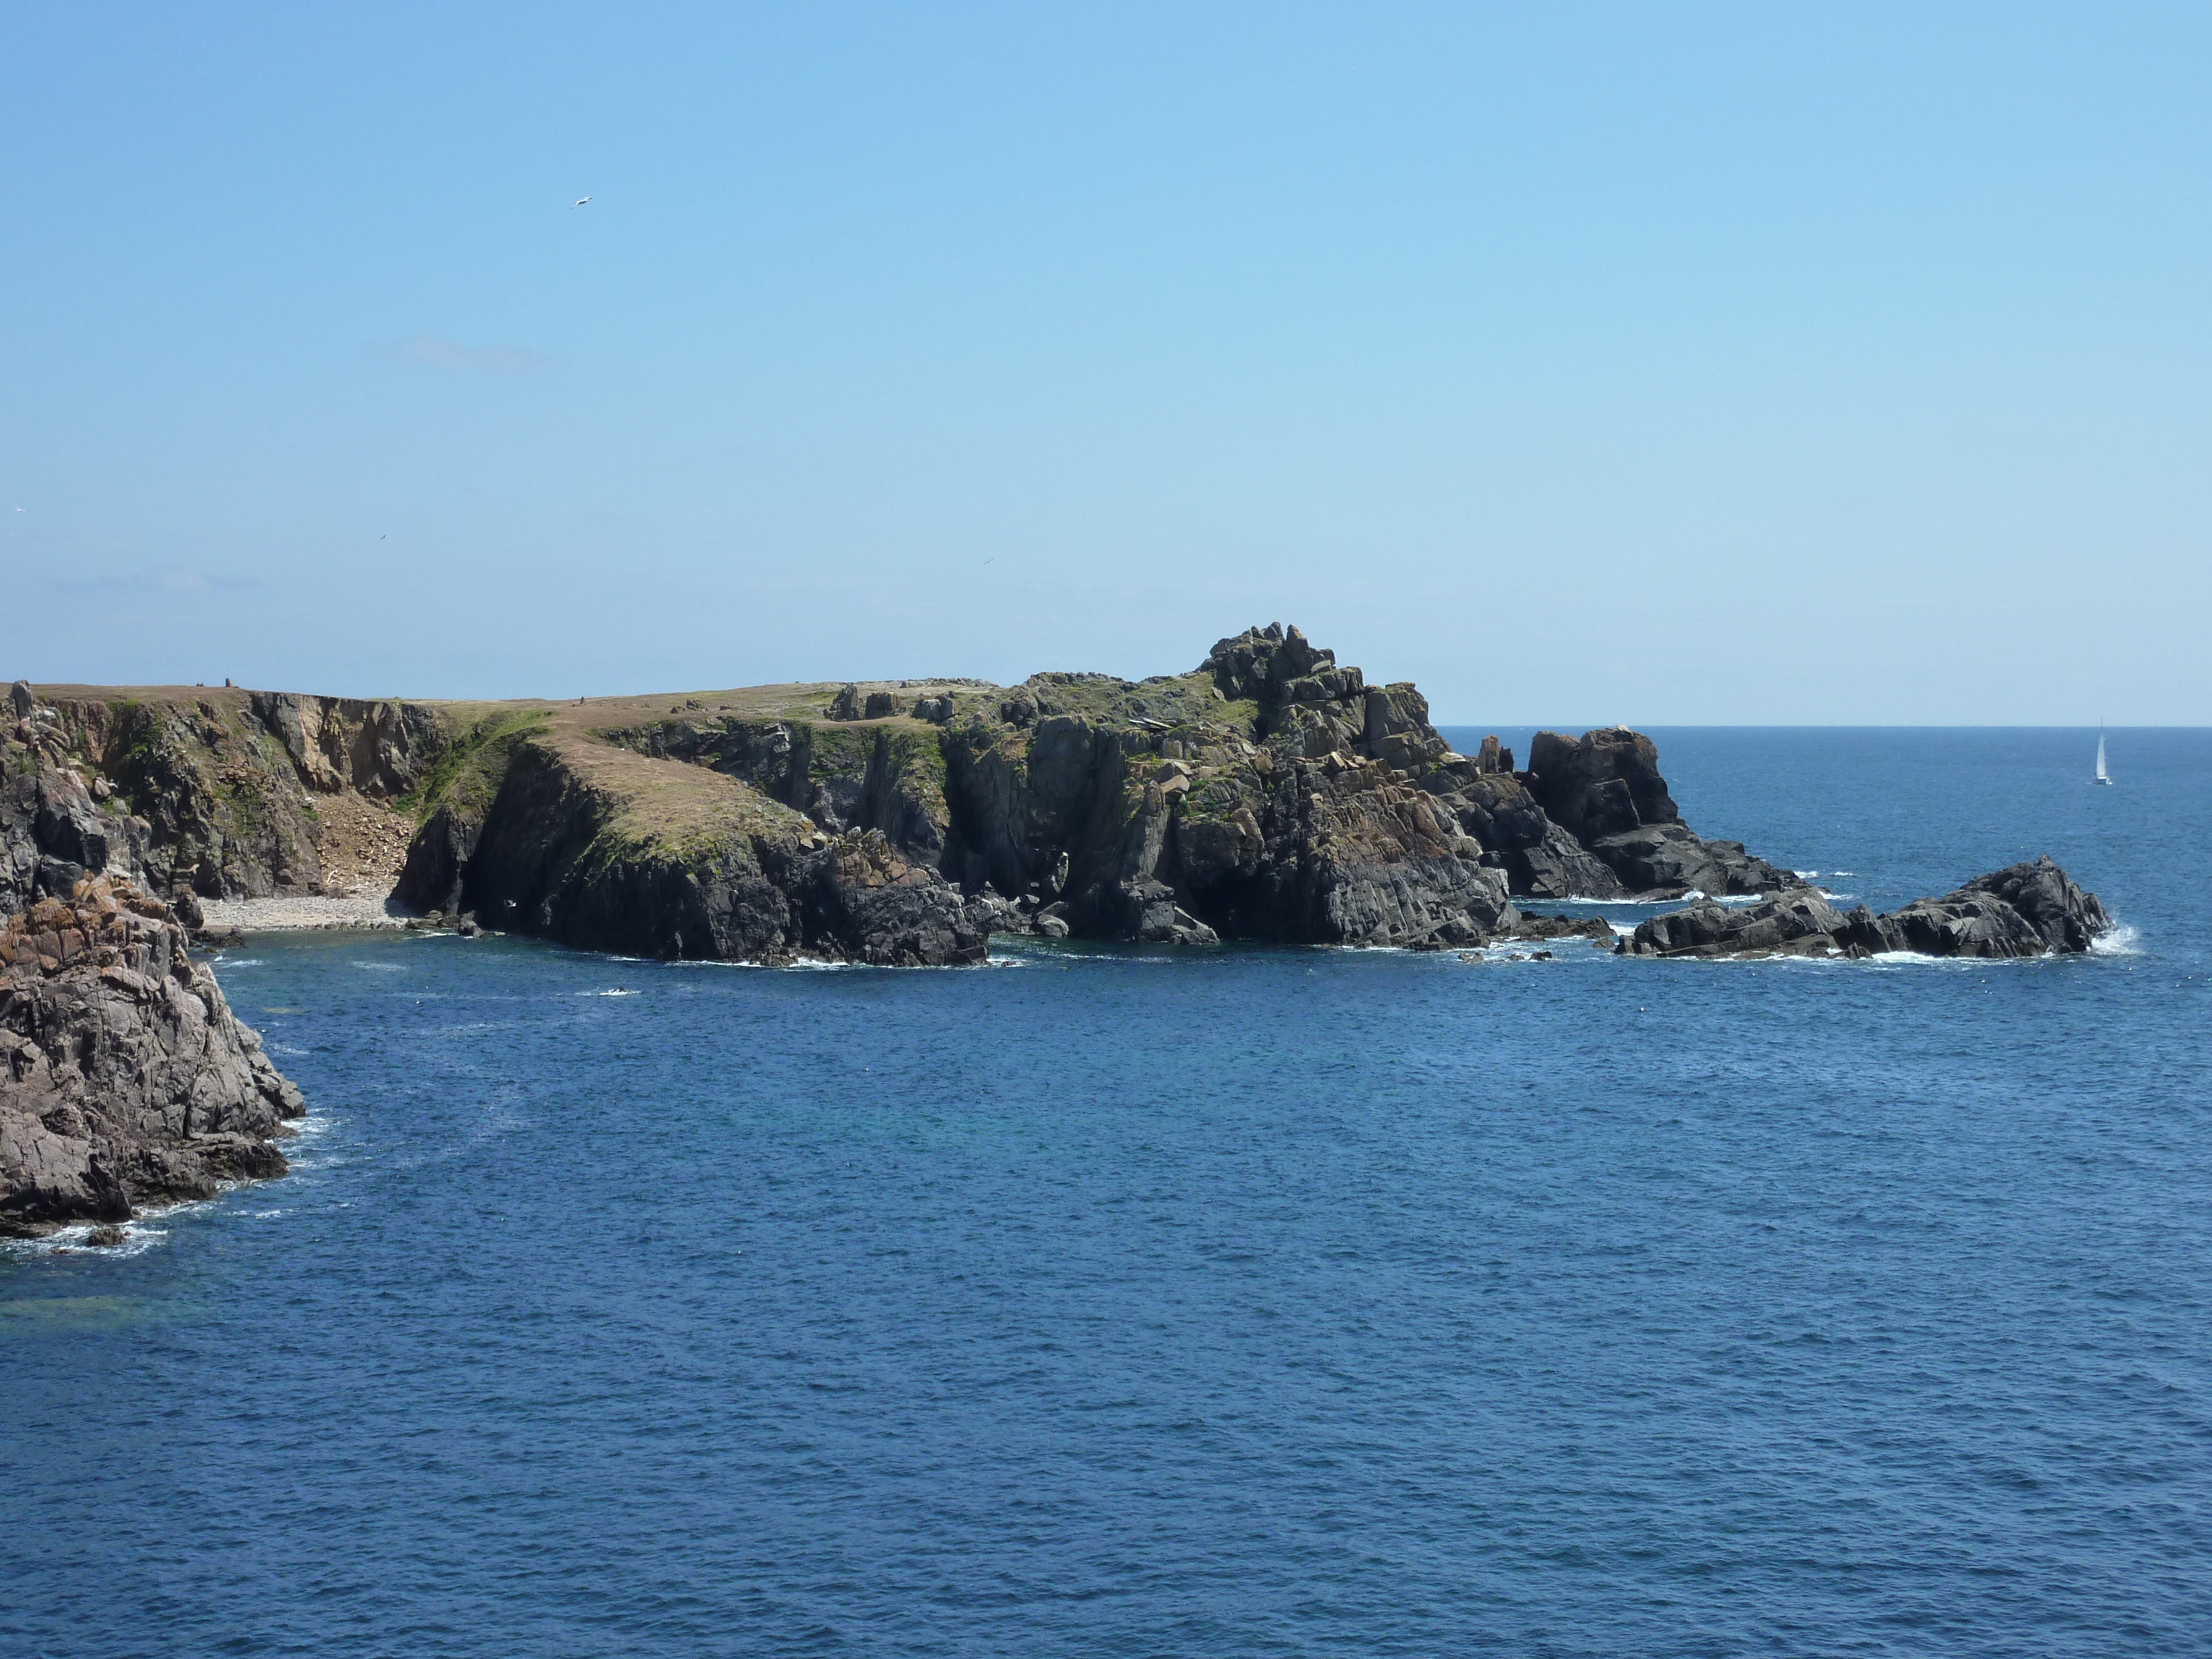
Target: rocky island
[(1270, 793)]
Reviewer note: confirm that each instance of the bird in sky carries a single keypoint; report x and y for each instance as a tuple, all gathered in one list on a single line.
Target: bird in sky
[(579, 201)]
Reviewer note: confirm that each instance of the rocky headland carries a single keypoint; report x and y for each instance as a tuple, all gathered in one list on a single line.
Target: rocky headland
[(1269, 793)]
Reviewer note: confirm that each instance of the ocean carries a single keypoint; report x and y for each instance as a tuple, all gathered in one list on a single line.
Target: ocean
[(1145, 1302)]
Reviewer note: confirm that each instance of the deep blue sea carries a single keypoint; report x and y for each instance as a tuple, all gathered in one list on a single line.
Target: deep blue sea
[(1251, 1301)]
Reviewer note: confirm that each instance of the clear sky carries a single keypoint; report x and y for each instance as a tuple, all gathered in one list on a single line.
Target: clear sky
[(1671, 364)]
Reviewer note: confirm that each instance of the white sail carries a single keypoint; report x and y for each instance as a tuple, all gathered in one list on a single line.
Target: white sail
[(2101, 778)]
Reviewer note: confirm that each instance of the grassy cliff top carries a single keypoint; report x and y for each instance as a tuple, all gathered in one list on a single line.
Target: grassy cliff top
[(1173, 698), (665, 801)]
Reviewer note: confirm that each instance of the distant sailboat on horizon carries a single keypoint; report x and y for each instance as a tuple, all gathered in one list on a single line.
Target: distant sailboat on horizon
[(2100, 777)]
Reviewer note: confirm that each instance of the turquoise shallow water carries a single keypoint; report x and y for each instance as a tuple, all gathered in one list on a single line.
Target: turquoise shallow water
[(1252, 1301)]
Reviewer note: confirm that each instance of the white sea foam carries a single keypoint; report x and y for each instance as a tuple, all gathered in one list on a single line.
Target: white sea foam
[(139, 1234), (381, 967), (2122, 941)]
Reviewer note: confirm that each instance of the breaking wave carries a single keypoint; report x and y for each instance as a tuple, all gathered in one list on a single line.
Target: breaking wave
[(2122, 941)]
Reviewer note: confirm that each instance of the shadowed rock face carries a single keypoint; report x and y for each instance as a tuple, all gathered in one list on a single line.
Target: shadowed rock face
[(2023, 911), (125, 1080), (1604, 791), (52, 833), (1604, 783)]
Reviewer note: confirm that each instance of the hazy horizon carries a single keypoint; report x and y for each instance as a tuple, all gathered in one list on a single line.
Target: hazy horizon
[(1712, 368)]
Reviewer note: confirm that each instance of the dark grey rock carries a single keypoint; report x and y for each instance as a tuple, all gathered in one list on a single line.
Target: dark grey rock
[(2024, 910), (1800, 922), (1668, 858), (438, 858), (1558, 867), (1601, 784)]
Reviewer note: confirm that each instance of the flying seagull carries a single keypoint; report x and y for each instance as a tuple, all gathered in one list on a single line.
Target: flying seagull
[(579, 201)]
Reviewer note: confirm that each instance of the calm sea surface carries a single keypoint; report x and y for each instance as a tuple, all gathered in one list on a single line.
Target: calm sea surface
[(1238, 1302)]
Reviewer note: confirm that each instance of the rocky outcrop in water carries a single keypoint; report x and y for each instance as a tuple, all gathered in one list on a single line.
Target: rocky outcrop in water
[(605, 849), (2023, 911), (125, 1078), (1606, 792)]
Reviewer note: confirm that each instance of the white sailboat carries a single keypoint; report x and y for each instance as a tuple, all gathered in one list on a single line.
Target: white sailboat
[(2100, 777)]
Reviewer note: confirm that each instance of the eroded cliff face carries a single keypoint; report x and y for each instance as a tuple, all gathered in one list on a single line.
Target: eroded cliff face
[(125, 1078), (220, 793)]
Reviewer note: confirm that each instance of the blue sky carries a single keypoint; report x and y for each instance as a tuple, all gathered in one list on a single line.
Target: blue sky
[(1684, 364)]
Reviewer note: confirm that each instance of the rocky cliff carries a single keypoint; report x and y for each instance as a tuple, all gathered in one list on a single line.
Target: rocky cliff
[(220, 793), (125, 1080), (2022, 910), (1268, 794)]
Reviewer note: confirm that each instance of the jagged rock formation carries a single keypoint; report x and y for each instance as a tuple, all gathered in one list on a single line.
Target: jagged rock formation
[(125, 1080), (2023, 911), (1269, 793), (54, 829), (1604, 791)]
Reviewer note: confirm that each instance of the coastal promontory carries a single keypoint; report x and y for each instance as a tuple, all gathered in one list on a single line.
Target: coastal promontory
[(1269, 793)]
